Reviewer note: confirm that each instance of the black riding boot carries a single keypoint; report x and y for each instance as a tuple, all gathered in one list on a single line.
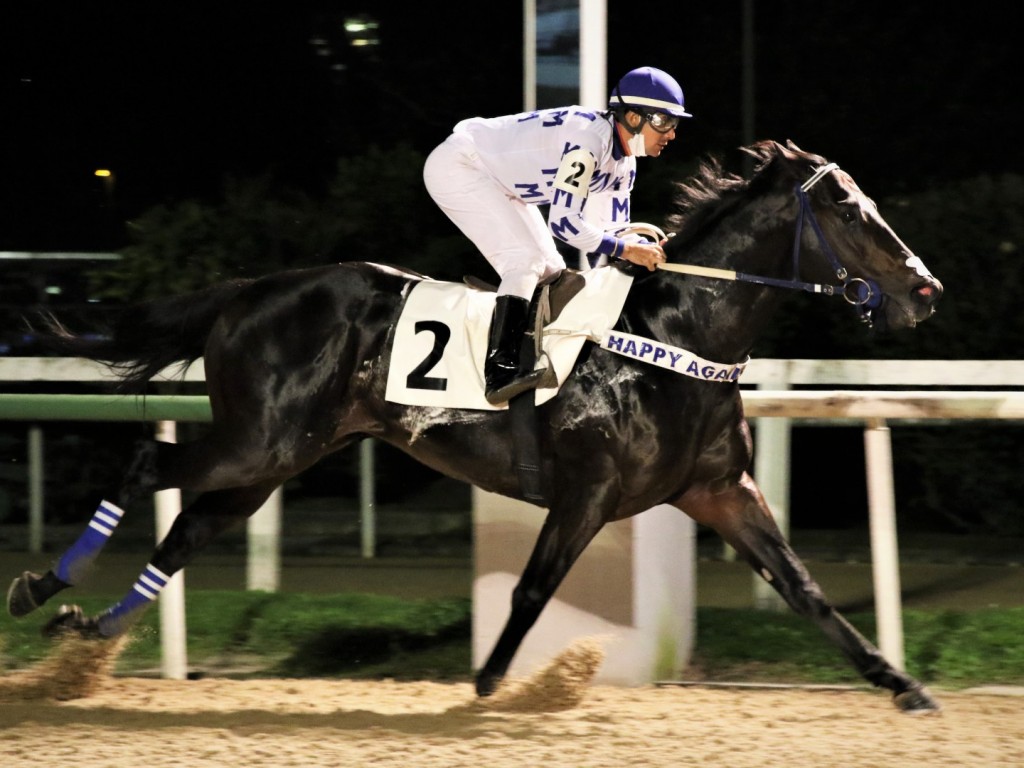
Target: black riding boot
[(504, 343)]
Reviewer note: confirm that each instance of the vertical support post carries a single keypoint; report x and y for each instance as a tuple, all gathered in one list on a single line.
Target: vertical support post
[(36, 489), (747, 100), (594, 53), (884, 549), (772, 472), (263, 530), (593, 80), (367, 499), (529, 55), (174, 659)]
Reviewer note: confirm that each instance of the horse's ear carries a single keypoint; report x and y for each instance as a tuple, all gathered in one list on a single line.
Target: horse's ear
[(793, 153), (792, 147)]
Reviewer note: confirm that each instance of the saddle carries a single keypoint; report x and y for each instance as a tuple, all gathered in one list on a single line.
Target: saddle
[(550, 298), (554, 292)]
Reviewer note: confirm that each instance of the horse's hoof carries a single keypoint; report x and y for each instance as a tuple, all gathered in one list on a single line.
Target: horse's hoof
[(71, 622), (20, 601), (486, 684), (916, 701)]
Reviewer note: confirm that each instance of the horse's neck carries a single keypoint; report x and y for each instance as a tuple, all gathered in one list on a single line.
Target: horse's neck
[(716, 318)]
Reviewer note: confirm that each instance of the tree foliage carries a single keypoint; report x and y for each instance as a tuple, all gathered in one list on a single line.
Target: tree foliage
[(374, 209)]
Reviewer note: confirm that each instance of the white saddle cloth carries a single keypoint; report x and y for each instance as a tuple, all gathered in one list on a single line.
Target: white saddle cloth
[(437, 357)]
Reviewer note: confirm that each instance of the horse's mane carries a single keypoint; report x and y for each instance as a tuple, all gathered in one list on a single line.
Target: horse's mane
[(720, 182)]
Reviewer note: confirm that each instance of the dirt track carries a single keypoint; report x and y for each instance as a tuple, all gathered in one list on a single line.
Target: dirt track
[(49, 718), (155, 723), (70, 711)]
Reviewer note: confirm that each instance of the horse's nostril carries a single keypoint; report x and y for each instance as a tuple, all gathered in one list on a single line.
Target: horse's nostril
[(928, 293)]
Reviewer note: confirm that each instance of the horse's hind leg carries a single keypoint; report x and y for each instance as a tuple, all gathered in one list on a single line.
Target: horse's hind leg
[(30, 590), (209, 515), (199, 465), (740, 515)]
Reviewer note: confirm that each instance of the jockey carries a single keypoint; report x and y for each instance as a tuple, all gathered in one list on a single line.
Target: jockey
[(491, 174)]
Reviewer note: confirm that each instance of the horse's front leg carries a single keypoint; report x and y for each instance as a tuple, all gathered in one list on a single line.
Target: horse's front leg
[(562, 539), (740, 515)]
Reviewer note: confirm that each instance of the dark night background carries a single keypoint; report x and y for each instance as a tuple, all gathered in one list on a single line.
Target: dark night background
[(178, 99), (174, 97)]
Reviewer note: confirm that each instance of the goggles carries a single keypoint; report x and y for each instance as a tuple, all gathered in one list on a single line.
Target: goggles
[(661, 122)]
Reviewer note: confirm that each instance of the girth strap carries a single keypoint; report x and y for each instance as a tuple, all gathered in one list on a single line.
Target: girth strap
[(522, 411)]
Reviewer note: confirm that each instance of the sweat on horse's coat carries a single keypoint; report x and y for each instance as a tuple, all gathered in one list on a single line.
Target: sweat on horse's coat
[(297, 366)]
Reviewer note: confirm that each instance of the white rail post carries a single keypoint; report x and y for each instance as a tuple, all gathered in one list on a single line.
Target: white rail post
[(885, 564), (772, 471), (263, 565), (174, 660)]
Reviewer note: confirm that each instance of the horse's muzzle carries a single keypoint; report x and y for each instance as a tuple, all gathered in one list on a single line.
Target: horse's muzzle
[(928, 294), (923, 299)]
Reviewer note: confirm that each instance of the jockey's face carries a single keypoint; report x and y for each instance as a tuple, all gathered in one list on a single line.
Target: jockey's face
[(656, 139)]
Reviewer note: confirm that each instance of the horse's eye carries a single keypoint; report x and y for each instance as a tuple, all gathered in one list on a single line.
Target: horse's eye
[(849, 215)]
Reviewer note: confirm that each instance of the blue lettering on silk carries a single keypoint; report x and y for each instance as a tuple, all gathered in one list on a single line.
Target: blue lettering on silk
[(555, 118), (620, 209), (559, 194), (558, 228), (529, 191)]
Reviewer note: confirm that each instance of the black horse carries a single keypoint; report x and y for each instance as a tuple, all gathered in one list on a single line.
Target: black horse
[(296, 366)]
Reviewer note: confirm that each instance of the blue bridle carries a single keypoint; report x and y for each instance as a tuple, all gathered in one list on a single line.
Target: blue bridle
[(863, 293)]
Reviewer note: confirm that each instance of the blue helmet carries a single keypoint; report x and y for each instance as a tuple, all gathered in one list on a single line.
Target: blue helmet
[(648, 90)]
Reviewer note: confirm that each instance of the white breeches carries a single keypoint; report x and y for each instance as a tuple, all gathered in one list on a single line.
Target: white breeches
[(512, 235)]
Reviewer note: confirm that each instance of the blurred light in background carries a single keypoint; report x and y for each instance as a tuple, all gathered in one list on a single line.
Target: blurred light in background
[(361, 31)]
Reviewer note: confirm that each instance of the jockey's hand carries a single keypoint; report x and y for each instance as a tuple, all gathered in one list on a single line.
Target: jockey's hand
[(648, 255)]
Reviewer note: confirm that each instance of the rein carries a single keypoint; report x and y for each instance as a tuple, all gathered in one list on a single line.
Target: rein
[(864, 294)]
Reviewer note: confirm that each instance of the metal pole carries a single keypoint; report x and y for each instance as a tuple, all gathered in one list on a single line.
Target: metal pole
[(36, 489), (529, 55), (367, 499), (747, 100), (174, 662), (36, 407), (593, 65)]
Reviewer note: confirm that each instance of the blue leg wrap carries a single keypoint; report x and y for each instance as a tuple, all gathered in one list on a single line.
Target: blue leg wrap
[(74, 563), (144, 592)]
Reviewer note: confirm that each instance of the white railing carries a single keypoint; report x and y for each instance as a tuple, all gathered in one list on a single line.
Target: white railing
[(871, 392), (774, 405)]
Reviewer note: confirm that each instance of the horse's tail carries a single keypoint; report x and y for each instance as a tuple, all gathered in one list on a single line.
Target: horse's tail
[(148, 337)]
